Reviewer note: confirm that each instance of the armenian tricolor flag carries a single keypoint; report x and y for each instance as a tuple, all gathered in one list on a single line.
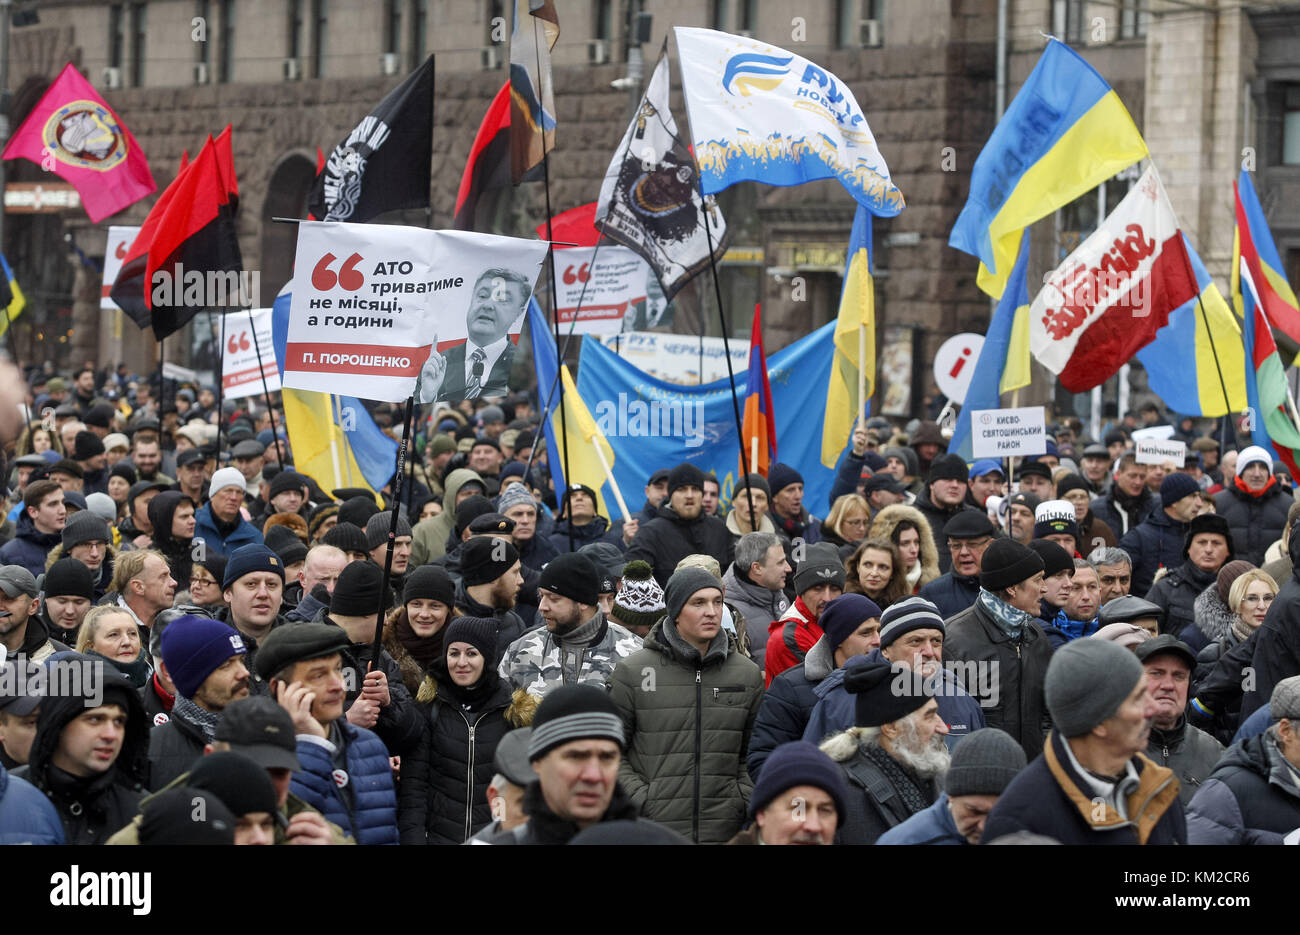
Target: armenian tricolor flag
[(1253, 249), (758, 429)]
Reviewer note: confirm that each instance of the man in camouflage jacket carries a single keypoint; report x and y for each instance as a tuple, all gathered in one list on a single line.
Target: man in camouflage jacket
[(578, 643)]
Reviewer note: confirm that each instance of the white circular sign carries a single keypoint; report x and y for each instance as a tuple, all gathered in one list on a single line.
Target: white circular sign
[(954, 364)]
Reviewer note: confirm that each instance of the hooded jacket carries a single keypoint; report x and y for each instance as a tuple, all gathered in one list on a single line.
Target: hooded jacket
[(205, 528), (1255, 521), (29, 547), (105, 576), (174, 745), (835, 709), (937, 516), (874, 803), (1252, 797), (757, 605), (1190, 752), (1154, 544), (37, 644), (429, 536), (91, 809), (545, 827), (598, 530), (178, 552), (667, 539), (1177, 592), (1049, 797), (1277, 641), (686, 740), (536, 662), (443, 794), (886, 521), (1013, 699), (786, 705)]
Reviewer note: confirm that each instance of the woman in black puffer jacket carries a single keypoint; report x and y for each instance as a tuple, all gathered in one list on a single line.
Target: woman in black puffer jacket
[(467, 709)]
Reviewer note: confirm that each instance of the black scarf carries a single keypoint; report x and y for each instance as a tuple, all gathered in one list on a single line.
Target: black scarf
[(904, 783), (425, 650), (137, 671), (550, 828), (1130, 504)]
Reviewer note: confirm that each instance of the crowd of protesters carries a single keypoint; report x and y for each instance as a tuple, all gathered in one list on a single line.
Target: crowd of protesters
[(1079, 648)]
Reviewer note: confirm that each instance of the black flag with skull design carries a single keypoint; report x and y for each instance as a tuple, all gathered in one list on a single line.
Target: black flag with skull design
[(384, 163)]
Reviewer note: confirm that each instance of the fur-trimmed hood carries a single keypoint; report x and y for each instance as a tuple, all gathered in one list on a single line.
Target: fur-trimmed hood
[(884, 523), (1212, 615), (519, 713)]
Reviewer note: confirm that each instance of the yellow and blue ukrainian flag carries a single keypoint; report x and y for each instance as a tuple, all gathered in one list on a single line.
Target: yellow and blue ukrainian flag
[(333, 438), (1181, 362), (1003, 364), (17, 301), (1065, 133), (857, 311)]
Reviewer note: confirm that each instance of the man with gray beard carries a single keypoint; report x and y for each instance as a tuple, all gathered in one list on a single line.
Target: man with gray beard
[(895, 758)]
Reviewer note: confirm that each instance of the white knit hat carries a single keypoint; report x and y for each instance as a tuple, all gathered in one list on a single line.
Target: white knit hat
[(226, 477), (640, 601)]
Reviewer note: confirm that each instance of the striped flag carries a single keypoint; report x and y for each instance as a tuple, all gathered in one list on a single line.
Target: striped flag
[(1253, 249), (758, 429)]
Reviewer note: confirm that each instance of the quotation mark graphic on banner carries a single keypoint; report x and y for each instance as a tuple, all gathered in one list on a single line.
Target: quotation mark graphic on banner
[(239, 343), (348, 277), (582, 275)]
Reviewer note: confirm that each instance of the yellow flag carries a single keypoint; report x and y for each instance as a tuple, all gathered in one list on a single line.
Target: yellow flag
[(320, 447), (583, 465), (19, 301), (857, 312)]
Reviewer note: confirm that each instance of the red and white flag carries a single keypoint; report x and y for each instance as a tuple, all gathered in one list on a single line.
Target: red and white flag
[(74, 134), (1114, 292)]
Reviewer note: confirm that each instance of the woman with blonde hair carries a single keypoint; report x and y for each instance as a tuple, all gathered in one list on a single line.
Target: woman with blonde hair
[(1250, 592), (846, 524), (110, 633), (876, 570), (909, 530)]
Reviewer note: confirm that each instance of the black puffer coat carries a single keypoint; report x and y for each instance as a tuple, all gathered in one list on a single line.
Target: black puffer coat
[(1277, 641), (667, 539), (1250, 798), (443, 797), (91, 809), (1255, 522), (1177, 592)]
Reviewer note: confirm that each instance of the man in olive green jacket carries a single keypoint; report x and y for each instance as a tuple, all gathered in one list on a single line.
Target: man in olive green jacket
[(688, 703)]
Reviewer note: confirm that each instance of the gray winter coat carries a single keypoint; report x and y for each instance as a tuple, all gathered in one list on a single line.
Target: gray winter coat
[(757, 605), (688, 721), (1191, 753), (1252, 797)]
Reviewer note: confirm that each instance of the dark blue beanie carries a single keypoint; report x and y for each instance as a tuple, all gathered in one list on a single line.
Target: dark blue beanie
[(798, 763), (781, 476), (841, 616), (250, 558), (1177, 485), (194, 647)]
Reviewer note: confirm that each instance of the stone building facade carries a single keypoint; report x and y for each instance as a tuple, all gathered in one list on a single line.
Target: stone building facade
[(294, 75)]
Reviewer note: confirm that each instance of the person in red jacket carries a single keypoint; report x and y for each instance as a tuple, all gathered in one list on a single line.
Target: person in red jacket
[(818, 579)]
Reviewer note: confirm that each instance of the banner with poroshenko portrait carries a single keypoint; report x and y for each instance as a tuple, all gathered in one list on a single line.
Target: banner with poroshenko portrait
[(378, 309)]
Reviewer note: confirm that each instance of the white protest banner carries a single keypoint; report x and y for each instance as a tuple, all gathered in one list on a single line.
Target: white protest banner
[(677, 358), (608, 281), (1155, 432), (378, 307), (240, 375), (178, 373), (1002, 433), (1157, 451), (115, 249)]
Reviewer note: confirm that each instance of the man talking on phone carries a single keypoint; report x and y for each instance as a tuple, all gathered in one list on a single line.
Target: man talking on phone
[(344, 771)]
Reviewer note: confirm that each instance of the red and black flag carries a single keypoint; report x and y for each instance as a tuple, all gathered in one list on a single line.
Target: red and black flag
[(186, 257), (385, 163), (488, 165)]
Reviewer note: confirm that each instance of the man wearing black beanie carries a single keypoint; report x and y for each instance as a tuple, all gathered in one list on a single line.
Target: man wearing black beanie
[(1002, 646), (491, 576), (682, 528), (578, 643), (68, 590), (376, 697), (943, 498)]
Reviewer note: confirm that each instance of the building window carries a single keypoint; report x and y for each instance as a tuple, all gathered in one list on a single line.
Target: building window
[(203, 11), (1291, 125), (748, 10), (393, 26), (227, 60), (419, 19), (603, 26), (1067, 21), (295, 29), (319, 20), (138, 23), (1133, 18), (116, 36), (721, 18)]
